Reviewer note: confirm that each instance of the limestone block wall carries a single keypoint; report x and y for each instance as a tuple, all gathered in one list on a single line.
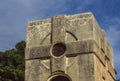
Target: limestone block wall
[(69, 48)]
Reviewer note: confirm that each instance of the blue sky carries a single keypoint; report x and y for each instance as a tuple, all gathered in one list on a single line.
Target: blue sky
[(14, 15)]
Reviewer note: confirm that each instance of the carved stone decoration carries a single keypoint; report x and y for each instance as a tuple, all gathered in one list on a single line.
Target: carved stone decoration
[(68, 48)]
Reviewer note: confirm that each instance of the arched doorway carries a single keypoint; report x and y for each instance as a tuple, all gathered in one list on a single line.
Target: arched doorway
[(59, 77)]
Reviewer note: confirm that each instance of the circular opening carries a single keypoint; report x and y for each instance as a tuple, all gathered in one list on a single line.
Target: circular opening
[(58, 49), (60, 78)]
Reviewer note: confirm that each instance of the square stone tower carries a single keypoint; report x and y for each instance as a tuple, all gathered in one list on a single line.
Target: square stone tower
[(68, 48)]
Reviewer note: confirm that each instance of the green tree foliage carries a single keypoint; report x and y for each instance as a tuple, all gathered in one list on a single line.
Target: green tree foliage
[(12, 64)]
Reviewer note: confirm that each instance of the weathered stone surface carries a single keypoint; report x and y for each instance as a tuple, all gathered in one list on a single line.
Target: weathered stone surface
[(58, 64), (86, 67), (36, 70), (102, 71), (58, 29), (38, 33), (72, 62), (71, 46), (38, 52)]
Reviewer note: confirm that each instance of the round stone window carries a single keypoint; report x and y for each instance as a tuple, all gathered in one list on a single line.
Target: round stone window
[(58, 49)]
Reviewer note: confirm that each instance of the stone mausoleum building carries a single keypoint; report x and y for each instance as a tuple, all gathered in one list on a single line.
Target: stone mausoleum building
[(68, 48)]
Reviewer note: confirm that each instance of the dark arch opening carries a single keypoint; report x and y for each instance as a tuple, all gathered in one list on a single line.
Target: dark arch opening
[(60, 78)]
